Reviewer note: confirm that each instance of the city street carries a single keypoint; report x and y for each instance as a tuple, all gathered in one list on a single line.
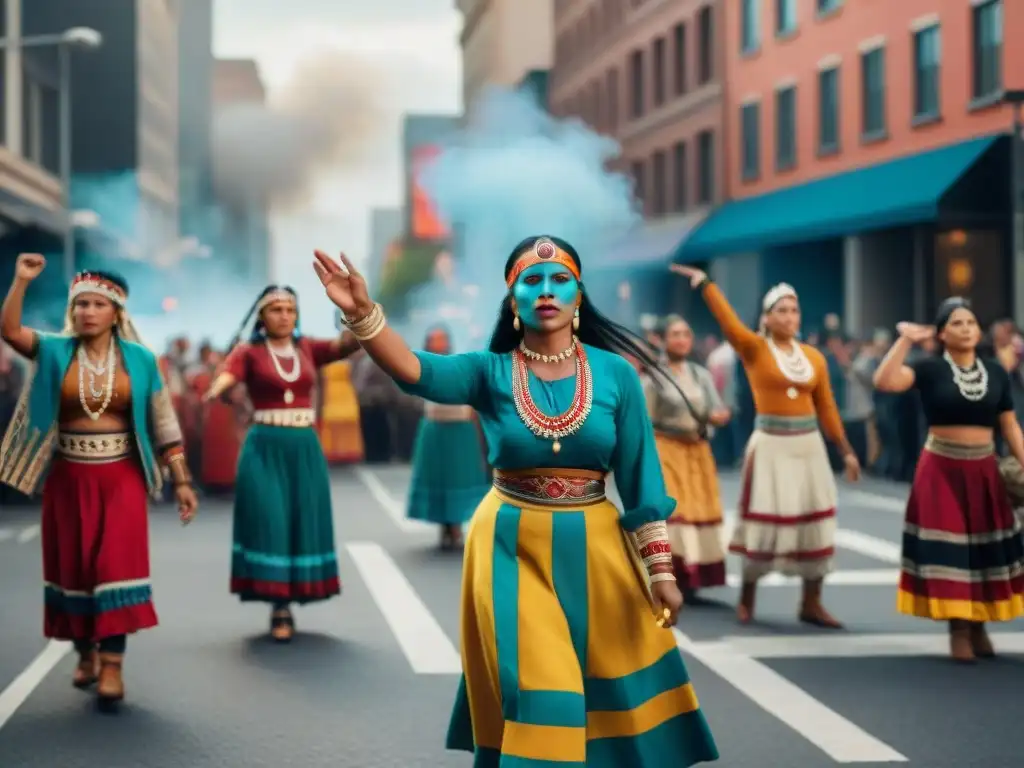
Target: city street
[(369, 680)]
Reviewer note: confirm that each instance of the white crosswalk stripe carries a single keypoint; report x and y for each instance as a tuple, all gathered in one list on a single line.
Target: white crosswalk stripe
[(19, 534)]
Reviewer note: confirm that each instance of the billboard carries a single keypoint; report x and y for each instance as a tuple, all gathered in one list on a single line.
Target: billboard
[(426, 224)]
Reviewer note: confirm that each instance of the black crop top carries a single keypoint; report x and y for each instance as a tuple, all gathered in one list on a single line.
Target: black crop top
[(943, 404)]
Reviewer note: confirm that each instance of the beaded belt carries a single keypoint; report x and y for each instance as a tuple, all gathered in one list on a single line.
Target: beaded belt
[(952, 450), (786, 425), (551, 487), (285, 417), (96, 448)]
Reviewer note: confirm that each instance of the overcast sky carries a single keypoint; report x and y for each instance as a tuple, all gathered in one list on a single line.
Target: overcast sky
[(410, 48)]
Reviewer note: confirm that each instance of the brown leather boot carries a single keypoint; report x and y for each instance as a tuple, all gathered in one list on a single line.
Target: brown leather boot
[(87, 670), (981, 643), (110, 686), (960, 648)]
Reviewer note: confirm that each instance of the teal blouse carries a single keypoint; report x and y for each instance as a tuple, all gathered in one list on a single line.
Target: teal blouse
[(616, 437)]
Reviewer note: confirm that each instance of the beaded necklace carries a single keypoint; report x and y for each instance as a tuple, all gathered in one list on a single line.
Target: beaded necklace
[(552, 427)]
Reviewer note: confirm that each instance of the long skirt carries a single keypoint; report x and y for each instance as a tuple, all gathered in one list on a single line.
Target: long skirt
[(787, 510), (95, 535), (449, 474), (695, 528), (284, 547), (563, 663), (963, 551)]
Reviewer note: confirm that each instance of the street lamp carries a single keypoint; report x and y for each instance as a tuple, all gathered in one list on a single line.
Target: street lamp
[(81, 38)]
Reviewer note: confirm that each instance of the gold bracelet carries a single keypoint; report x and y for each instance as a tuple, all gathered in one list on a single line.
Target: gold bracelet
[(370, 326), (661, 576)]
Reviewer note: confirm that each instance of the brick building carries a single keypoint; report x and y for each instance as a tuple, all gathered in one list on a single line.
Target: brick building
[(649, 73), (867, 153)]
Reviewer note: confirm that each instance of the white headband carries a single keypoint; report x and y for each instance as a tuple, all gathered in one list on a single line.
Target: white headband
[(275, 296), (777, 294), (95, 286)]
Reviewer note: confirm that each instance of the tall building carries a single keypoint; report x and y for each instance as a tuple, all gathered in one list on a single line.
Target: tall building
[(195, 110), (32, 215), (869, 156), (651, 75), (124, 118), (502, 41), (244, 239)]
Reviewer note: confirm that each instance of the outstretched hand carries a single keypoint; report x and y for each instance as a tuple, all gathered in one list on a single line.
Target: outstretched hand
[(694, 275), (343, 284), (914, 332)]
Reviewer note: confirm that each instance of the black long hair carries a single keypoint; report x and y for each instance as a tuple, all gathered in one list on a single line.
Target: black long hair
[(596, 329), (257, 334)]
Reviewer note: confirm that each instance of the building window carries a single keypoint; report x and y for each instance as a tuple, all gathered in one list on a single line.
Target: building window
[(927, 59), (785, 17), (785, 128), (681, 174), (679, 59), (750, 25), (988, 49), (659, 71), (827, 6), (639, 183), (636, 79), (705, 53), (612, 84), (750, 136), (660, 193), (828, 111), (872, 72), (706, 173)]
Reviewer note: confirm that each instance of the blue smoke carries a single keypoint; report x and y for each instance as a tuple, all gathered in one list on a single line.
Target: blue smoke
[(516, 171)]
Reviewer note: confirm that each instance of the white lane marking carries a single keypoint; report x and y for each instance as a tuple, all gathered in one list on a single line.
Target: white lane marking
[(859, 646), (28, 534), (390, 504), (839, 738), (869, 546), (858, 577), (17, 693), (423, 641), (873, 500), (6, 533)]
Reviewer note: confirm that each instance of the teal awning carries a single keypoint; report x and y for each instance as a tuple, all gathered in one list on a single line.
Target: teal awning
[(897, 193)]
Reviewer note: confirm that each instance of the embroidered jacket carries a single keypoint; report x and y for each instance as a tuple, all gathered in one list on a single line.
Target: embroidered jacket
[(31, 438)]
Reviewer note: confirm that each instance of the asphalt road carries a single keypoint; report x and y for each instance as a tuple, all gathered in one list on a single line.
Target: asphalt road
[(369, 680)]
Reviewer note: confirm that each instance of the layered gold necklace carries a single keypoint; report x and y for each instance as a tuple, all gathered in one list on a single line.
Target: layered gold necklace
[(552, 427)]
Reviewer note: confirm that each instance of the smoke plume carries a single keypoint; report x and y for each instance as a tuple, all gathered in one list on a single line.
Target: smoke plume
[(516, 171), (324, 117)]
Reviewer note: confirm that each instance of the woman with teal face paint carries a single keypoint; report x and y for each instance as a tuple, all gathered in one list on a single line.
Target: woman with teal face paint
[(567, 603), (94, 429)]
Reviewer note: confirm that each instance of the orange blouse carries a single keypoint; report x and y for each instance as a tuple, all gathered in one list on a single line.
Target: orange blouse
[(767, 382)]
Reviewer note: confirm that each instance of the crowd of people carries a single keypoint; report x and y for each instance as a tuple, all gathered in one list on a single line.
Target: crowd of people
[(561, 399)]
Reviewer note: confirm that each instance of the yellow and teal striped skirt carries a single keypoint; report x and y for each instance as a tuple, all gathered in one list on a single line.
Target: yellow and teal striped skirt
[(563, 661)]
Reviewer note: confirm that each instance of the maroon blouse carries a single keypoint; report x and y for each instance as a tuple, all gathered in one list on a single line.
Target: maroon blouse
[(251, 365)]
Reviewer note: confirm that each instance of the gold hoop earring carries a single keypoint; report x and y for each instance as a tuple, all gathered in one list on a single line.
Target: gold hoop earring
[(576, 320), (515, 322)]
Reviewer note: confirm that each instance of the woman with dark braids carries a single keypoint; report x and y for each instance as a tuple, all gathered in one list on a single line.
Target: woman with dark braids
[(284, 549), (567, 651)]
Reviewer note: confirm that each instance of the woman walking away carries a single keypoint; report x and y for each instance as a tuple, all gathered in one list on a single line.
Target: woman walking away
[(681, 415), (284, 550), (567, 653), (787, 510), (963, 554), (449, 474), (96, 421)]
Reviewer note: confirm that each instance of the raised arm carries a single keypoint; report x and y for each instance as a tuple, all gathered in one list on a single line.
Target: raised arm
[(327, 351), (745, 341), (22, 339), (893, 374), (231, 372), (447, 379)]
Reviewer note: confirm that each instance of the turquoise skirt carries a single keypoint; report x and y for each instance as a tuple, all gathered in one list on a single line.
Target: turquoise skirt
[(284, 547), (449, 474)]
